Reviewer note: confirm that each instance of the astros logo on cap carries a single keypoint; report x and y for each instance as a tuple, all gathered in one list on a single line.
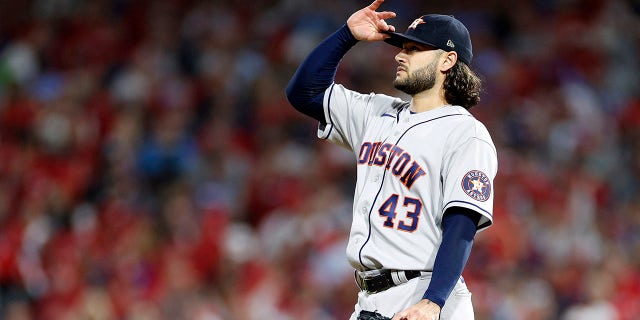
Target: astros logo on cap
[(415, 23), (477, 185)]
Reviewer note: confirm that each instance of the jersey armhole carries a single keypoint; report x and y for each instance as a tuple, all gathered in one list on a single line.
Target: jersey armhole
[(324, 129), (486, 218)]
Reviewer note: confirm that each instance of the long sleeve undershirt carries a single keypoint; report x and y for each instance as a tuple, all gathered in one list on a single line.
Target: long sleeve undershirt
[(305, 92), (317, 72), (459, 227)]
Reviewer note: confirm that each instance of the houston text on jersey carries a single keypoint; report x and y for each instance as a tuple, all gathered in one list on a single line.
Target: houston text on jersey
[(394, 158)]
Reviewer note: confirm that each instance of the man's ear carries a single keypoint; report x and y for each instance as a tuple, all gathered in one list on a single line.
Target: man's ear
[(448, 61)]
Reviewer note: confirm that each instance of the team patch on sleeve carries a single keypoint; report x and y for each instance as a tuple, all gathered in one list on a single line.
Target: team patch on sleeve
[(477, 185)]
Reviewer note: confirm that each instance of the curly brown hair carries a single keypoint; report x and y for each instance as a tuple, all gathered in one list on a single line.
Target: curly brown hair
[(462, 86)]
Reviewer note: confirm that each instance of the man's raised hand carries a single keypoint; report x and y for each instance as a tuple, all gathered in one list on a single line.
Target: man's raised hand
[(368, 25)]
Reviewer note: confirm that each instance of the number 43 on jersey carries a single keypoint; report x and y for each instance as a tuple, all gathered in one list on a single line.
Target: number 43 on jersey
[(410, 210)]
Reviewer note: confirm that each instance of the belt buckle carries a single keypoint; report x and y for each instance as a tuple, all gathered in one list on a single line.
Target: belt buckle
[(363, 277), (360, 281), (375, 278)]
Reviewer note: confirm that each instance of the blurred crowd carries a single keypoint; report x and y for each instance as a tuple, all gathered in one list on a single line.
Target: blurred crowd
[(151, 167)]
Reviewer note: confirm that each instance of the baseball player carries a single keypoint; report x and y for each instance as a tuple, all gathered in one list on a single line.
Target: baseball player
[(425, 167)]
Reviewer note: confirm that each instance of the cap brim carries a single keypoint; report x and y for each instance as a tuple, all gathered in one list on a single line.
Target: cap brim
[(398, 39)]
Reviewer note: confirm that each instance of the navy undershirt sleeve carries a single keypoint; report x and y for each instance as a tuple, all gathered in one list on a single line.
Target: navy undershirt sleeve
[(459, 228), (316, 73)]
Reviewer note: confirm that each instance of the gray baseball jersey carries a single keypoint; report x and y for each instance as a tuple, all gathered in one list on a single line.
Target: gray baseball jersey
[(411, 167)]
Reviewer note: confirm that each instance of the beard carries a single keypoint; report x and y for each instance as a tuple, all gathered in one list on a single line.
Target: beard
[(417, 81)]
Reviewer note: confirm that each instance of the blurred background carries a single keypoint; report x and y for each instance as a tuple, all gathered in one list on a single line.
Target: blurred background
[(151, 167)]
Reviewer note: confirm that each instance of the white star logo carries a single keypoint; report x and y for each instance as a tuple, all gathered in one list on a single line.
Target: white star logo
[(477, 185), (415, 23)]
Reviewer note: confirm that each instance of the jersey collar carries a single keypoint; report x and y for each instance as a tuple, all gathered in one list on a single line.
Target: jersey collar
[(410, 116)]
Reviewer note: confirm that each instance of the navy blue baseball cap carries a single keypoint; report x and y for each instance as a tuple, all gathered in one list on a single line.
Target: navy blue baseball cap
[(439, 31)]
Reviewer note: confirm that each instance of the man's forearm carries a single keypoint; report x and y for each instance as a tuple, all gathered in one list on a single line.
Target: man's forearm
[(306, 88), (459, 228)]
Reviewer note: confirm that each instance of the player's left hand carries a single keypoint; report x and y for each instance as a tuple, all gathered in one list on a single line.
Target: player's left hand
[(423, 310)]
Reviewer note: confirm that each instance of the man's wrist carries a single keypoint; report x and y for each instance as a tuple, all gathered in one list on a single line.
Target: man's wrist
[(348, 35), (434, 298)]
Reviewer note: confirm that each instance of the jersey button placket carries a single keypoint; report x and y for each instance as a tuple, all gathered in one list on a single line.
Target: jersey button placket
[(365, 207)]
